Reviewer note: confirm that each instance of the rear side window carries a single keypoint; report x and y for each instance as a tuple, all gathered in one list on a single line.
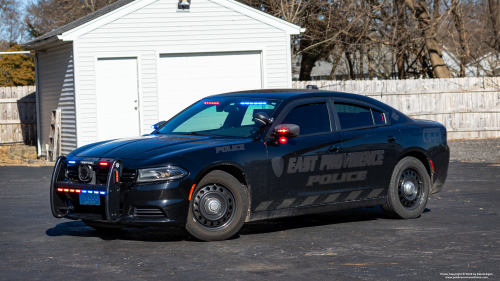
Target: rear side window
[(379, 117), (311, 118), (353, 116)]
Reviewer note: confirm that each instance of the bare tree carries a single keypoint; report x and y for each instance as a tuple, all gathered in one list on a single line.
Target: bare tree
[(46, 15), (11, 27)]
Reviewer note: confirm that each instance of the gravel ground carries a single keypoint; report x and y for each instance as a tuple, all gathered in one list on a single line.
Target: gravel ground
[(484, 150), (457, 234)]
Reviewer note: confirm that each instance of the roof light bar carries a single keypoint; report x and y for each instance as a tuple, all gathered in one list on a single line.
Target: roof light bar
[(257, 102), (211, 102)]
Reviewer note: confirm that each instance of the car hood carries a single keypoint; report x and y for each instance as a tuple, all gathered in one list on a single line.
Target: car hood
[(150, 146)]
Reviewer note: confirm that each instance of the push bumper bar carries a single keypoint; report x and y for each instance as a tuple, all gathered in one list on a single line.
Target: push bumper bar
[(112, 197)]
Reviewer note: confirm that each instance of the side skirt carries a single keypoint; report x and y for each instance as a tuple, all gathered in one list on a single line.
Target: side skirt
[(323, 208)]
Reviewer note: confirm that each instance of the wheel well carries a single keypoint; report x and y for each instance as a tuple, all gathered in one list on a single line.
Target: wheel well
[(420, 156), (239, 175), (232, 170)]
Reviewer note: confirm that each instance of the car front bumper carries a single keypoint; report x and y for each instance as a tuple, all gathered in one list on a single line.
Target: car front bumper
[(153, 204)]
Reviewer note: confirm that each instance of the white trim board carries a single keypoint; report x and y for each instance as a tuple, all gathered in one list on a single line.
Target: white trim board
[(263, 17)]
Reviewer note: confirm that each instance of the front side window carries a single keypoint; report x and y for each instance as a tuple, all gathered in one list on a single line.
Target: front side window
[(231, 117), (311, 118)]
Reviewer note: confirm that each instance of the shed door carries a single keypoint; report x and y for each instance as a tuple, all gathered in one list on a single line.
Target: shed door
[(186, 78), (117, 98)]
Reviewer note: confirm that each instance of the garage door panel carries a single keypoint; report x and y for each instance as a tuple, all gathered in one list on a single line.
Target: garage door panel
[(186, 78)]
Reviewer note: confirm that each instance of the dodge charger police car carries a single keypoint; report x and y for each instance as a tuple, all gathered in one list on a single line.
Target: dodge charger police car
[(245, 156)]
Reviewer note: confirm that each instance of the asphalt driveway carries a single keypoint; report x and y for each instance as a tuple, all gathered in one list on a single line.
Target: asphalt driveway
[(459, 233)]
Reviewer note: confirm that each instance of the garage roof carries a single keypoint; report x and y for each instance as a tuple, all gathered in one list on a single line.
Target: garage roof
[(98, 18)]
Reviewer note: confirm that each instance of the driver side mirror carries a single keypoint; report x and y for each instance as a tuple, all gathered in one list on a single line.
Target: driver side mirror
[(263, 118), (158, 125), (287, 130)]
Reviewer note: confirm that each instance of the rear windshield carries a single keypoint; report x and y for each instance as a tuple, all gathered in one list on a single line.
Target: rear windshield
[(231, 117)]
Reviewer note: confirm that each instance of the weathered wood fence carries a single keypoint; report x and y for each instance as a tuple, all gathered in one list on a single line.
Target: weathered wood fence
[(18, 115), (468, 107)]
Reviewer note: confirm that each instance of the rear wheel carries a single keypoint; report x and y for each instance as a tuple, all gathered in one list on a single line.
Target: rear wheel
[(217, 208), (408, 190), (102, 226)]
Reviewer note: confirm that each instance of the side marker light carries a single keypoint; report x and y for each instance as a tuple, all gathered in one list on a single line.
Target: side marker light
[(71, 162), (116, 178), (191, 192), (432, 165), (103, 163)]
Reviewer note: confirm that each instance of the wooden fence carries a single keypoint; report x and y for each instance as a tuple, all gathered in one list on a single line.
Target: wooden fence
[(468, 107), (18, 115)]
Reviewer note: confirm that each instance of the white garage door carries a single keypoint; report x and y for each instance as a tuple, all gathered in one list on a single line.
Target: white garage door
[(117, 98), (186, 78)]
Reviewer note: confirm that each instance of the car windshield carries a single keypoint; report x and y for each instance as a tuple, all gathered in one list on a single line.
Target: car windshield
[(230, 117)]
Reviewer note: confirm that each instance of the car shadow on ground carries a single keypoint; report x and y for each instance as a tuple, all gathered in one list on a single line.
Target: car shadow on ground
[(171, 234)]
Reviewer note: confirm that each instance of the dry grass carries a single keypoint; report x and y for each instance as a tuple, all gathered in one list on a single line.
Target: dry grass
[(5, 160)]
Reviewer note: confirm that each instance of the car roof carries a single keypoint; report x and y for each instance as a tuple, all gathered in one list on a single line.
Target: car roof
[(293, 94)]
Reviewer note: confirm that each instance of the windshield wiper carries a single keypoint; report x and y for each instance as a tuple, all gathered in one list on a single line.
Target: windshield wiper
[(196, 134)]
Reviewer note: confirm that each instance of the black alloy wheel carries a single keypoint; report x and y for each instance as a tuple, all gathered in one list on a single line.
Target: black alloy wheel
[(218, 207), (408, 190), (214, 207)]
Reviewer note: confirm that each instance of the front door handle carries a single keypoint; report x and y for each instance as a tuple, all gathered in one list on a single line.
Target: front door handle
[(391, 139), (333, 149)]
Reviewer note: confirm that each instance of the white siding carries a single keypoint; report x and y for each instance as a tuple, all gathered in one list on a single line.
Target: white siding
[(157, 28), (56, 87)]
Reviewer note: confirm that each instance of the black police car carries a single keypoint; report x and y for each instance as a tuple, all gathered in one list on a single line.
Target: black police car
[(245, 156)]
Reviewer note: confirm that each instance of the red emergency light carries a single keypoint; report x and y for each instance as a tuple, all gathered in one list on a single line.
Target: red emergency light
[(211, 102)]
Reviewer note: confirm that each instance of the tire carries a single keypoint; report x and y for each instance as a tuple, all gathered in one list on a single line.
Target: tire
[(408, 190), (218, 207), (102, 226)]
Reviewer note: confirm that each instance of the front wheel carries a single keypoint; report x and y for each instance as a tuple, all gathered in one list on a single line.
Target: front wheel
[(218, 207), (408, 190)]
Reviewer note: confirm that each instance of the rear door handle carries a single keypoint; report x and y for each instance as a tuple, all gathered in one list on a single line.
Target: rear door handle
[(391, 138), (333, 149)]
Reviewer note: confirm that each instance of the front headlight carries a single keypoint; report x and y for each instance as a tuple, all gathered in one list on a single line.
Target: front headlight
[(160, 174)]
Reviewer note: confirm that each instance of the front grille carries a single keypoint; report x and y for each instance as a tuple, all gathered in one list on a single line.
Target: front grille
[(101, 175), (148, 212)]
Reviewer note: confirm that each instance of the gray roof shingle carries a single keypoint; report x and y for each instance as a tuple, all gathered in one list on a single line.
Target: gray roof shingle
[(79, 21)]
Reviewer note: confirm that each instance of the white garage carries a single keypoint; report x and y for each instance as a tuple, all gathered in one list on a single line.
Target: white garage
[(121, 69), (194, 76)]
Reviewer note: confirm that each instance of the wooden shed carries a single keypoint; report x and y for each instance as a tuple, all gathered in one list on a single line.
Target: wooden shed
[(121, 69)]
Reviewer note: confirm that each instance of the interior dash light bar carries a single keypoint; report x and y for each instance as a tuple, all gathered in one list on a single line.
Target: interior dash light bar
[(211, 102), (257, 102)]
